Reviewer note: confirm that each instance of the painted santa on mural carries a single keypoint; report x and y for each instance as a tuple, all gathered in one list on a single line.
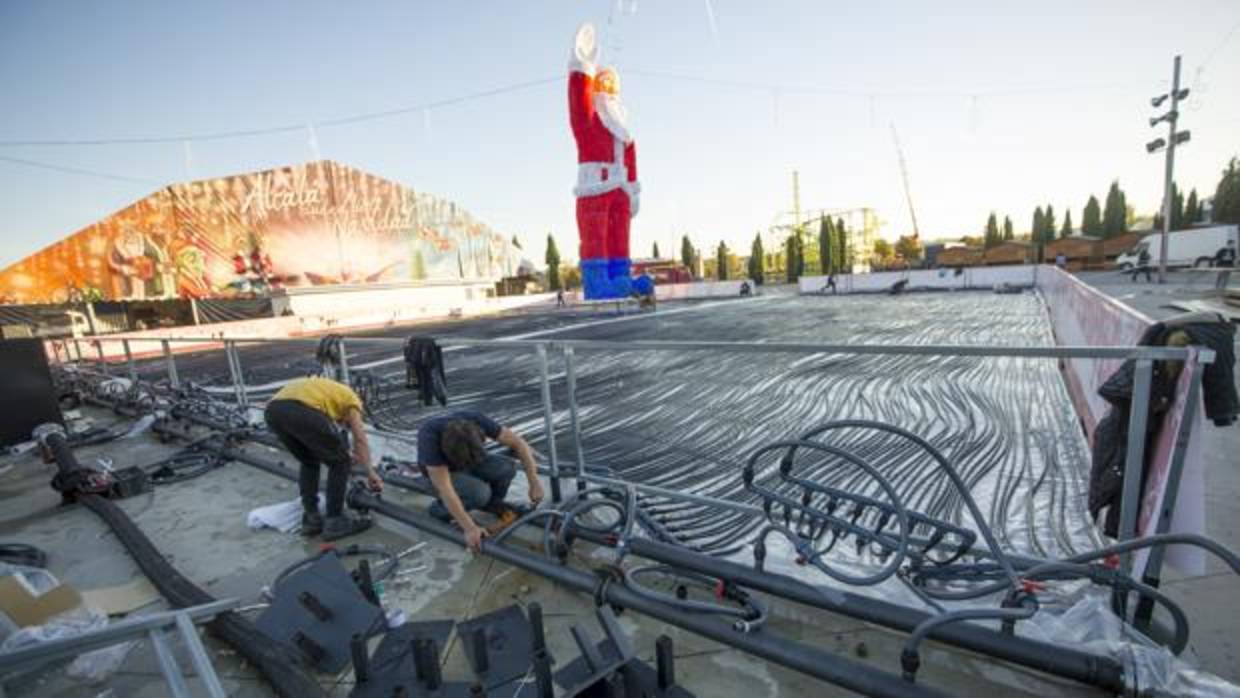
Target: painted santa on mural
[(607, 190)]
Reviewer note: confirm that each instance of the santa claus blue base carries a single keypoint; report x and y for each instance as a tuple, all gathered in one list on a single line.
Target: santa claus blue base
[(606, 279)]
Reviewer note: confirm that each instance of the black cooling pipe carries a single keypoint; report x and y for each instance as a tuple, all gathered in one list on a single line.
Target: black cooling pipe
[(283, 670), (793, 655), (1091, 669)]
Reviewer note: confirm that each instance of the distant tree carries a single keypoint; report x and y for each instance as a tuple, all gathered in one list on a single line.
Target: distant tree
[(757, 258), (516, 243), (553, 264), (843, 257), (1192, 210), (686, 253), (655, 251), (883, 252), (1066, 230), (1091, 219), (1007, 229), (910, 248), (1227, 195), (1035, 233), (1114, 213), (1048, 224), (991, 237), (721, 262), (826, 231), (972, 241), (572, 277), (791, 258)]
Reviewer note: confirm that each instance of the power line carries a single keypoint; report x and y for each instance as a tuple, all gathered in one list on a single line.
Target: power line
[(870, 94), (77, 171), (287, 128)]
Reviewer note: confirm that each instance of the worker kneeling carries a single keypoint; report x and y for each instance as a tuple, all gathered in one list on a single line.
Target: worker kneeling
[(452, 454), (304, 415)]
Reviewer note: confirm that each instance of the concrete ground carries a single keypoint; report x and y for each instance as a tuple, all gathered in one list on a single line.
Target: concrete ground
[(200, 526), (1209, 600)]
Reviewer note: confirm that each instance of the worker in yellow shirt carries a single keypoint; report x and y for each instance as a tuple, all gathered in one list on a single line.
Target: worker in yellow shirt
[(304, 415)]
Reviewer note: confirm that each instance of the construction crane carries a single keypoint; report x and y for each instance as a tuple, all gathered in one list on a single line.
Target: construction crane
[(908, 193)]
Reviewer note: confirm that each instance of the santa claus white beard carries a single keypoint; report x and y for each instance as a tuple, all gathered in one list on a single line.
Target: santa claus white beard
[(613, 115)]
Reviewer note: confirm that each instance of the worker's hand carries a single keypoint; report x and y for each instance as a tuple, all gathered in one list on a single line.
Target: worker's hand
[(536, 492), (473, 538), (374, 481)]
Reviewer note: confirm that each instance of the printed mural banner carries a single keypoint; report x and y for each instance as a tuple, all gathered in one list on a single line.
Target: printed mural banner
[(317, 224)]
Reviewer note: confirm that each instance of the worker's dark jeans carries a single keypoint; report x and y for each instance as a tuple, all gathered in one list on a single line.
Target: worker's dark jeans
[(483, 487), (314, 440)]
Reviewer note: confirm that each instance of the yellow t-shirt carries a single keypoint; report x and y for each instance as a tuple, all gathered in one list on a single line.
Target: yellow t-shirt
[(323, 394)]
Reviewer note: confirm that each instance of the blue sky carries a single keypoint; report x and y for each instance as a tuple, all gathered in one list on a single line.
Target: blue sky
[(999, 105)]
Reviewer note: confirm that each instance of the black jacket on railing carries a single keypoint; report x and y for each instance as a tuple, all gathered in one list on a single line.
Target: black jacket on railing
[(1222, 405), (424, 370)]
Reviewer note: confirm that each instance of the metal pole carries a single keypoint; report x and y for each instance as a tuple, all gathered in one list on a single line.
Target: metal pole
[(1168, 179), (234, 369), (344, 362), (133, 370), (549, 423), (77, 348), (1134, 465), (1152, 574), (173, 379), (103, 363), (570, 372)]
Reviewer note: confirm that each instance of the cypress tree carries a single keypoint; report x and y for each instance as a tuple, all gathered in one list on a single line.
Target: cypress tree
[(553, 264), (757, 260)]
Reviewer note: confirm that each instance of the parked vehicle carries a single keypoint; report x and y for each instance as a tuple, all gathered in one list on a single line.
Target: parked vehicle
[(1195, 247)]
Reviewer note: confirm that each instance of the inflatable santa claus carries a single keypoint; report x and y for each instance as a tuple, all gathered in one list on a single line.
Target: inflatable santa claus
[(607, 190)]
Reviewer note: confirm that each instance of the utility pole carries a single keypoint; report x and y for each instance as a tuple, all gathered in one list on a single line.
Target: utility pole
[(1173, 139), (796, 201)]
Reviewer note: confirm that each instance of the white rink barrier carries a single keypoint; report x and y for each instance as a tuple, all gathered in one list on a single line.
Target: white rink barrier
[(924, 279), (700, 289), (330, 312), (1083, 316)]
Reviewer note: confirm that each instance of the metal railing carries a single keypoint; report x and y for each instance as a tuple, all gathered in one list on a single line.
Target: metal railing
[(1143, 357)]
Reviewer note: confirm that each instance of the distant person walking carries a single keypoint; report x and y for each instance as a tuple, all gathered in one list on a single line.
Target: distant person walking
[(559, 298), (1226, 257), (831, 283), (1143, 265)]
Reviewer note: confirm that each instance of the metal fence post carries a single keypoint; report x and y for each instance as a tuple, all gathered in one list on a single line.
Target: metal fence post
[(103, 363), (173, 379), (570, 372), (1152, 574), (234, 368), (549, 423), (344, 362), (129, 365), (1134, 465), (77, 348)]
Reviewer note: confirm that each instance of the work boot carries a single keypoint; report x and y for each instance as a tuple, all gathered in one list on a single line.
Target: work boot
[(311, 523), (504, 519), (342, 526)]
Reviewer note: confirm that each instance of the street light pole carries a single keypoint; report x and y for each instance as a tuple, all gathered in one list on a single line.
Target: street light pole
[(1173, 138), (1169, 182)]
